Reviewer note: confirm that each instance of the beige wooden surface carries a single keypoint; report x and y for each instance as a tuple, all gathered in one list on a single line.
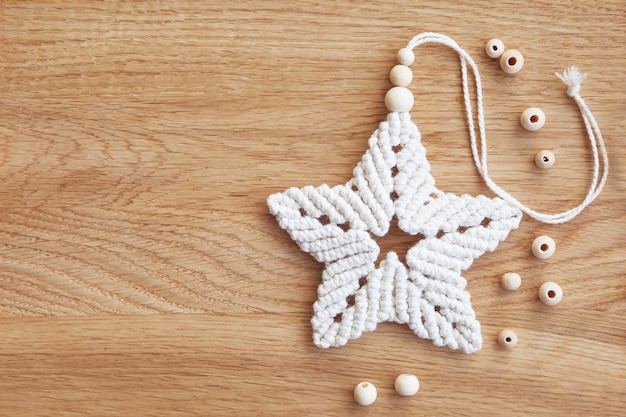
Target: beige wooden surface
[(141, 273)]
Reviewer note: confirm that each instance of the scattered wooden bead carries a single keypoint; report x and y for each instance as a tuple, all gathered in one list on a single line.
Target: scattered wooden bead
[(405, 56), (550, 293), (401, 75), (544, 159), (399, 99), (494, 48), (511, 61), (507, 339), (365, 393), (511, 281), (543, 247), (532, 119), (407, 385)]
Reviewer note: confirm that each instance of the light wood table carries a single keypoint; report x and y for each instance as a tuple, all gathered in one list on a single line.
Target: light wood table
[(142, 274)]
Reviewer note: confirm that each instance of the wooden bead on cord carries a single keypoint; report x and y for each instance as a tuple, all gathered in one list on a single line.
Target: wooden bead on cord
[(532, 119), (511, 61), (405, 56), (399, 99), (507, 339), (543, 247), (544, 159), (494, 48), (550, 293), (401, 76)]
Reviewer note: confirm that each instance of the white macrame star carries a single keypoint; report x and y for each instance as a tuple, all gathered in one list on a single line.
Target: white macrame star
[(335, 225)]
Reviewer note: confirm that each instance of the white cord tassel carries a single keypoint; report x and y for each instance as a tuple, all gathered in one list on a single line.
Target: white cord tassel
[(573, 78)]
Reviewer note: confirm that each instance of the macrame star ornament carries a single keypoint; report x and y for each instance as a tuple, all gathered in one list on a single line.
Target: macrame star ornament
[(336, 225)]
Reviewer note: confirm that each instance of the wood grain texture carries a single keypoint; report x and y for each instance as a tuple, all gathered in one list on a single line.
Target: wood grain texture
[(140, 270)]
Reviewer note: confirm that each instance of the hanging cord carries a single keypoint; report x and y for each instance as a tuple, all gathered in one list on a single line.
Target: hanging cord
[(573, 78)]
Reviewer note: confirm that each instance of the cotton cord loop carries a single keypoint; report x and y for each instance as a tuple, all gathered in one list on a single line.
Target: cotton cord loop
[(573, 78)]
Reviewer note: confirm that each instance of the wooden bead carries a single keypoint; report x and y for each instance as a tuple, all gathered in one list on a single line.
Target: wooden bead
[(507, 339), (365, 393), (511, 281), (543, 247), (401, 76), (544, 159), (532, 119), (511, 61), (550, 293), (494, 48), (407, 385), (405, 56), (399, 99)]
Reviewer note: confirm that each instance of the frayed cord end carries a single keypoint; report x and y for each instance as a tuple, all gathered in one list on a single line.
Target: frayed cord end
[(573, 78)]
